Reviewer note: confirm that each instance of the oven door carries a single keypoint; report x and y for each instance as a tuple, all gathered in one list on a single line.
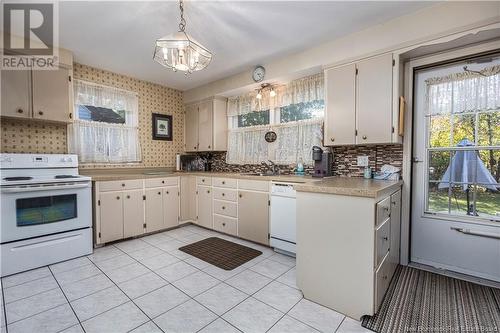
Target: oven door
[(43, 209)]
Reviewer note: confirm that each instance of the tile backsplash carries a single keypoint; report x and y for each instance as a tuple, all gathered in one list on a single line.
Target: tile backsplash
[(28, 136), (344, 160)]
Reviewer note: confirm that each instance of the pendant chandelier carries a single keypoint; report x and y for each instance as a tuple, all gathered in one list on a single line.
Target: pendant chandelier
[(180, 52)]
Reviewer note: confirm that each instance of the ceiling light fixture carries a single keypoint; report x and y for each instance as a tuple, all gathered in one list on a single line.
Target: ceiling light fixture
[(179, 51)]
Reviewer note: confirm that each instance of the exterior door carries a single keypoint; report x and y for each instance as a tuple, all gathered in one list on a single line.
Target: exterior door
[(205, 126), (253, 216), (171, 206), (205, 218), (16, 93), (456, 151), (51, 95), (111, 210), (154, 209), (133, 213), (191, 128), (374, 100), (340, 117)]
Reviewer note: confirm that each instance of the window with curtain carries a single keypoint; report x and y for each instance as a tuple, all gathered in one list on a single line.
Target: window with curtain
[(295, 114), (106, 123)]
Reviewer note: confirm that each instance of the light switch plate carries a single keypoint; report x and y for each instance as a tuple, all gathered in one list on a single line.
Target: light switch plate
[(363, 161)]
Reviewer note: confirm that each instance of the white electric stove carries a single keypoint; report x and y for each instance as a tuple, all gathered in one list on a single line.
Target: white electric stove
[(46, 212)]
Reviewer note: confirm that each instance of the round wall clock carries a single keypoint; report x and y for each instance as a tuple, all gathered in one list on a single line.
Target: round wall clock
[(258, 73), (270, 136)]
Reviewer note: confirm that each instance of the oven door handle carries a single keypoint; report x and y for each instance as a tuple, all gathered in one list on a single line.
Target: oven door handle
[(44, 188)]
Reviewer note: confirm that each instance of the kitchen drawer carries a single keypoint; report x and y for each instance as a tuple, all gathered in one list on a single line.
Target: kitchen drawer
[(204, 180), (253, 185), (382, 280), (383, 210), (382, 241), (118, 185), (226, 208), (225, 182), (226, 224), (225, 194), (160, 182)]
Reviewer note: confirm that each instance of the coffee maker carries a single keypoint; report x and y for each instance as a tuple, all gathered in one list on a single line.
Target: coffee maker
[(322, 162)]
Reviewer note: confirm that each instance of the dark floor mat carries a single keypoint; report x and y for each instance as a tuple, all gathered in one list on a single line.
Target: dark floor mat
[(221, 253), (421, 301)]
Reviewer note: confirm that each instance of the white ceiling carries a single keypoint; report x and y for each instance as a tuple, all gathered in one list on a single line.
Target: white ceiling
[(119, 35)]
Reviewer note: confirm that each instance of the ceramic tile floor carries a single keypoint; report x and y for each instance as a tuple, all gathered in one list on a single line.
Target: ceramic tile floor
[(148, 285)]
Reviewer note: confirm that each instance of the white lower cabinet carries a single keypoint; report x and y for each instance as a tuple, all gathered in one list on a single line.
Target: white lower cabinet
[(129, 208), (253, 216), (154, 209), (133, 213), (204, 199)]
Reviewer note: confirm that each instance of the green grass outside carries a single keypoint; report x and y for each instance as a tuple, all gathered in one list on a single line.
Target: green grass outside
[(487, 203)]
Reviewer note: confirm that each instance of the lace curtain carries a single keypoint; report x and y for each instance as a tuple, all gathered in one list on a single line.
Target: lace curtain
[(294, 139), (98, 142), (464, 92)]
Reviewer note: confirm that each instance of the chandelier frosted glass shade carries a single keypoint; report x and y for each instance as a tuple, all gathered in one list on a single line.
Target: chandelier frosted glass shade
[(181, 52)]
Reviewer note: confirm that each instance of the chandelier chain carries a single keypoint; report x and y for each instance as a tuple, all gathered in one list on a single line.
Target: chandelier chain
[(182, 23)]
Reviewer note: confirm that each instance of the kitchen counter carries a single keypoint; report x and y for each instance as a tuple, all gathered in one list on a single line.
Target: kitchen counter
[(350, 186)]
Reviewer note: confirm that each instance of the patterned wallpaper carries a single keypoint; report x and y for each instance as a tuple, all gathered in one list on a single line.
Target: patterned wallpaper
[(22, 136), (344, 160)]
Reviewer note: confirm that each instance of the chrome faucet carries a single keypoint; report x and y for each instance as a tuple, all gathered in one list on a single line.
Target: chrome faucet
[(270, 165)]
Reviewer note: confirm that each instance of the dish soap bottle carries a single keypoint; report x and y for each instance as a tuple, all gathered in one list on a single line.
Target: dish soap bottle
[(300, 166)]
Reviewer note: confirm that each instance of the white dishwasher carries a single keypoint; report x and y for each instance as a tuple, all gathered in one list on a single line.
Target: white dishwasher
[(283, 218)]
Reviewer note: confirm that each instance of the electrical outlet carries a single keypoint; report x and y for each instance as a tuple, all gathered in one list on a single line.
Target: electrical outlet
[(363, 161)]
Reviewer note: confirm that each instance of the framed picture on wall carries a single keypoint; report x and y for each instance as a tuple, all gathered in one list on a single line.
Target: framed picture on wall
[(162, 127)]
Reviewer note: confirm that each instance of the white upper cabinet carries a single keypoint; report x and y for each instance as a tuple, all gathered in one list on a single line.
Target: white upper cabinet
[(206, 126), (360, 103), (16, 87), (374, 100), (52, 95), (340, 118)]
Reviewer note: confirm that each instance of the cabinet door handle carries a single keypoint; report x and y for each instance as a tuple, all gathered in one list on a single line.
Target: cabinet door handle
[(166, 192), (40, 113), (163, 182), (223, 182), (385, 238), (241, 195), (223, 224), (208, 191), (208, 146), (203, 180), (117, 198), (159, 193), (332, 139), (20, 110), (364, 137), (123, 185), (128, 196), (223, 207), (394, 203), (223, 194)]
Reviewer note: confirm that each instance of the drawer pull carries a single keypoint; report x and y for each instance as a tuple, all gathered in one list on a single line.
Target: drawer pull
[(159, 193), (385, 238), (241, 195), (163, 182), (223, 207), (123, 185), (223, 194), (128, 196), (223, 224), (20, 110), (223, 182), (117, 198), (203, 180), (166, 192), (208, 191)]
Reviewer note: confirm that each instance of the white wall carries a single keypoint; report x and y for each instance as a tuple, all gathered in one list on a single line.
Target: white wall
[(427, 24)]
